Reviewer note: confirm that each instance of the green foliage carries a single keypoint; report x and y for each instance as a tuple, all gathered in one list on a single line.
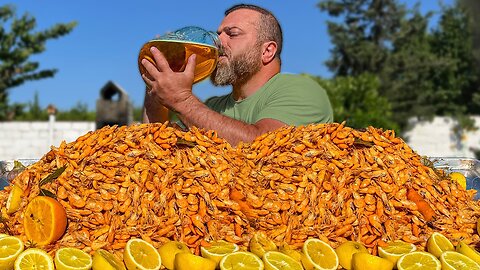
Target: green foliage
[(137, 114), (356, 100), (18, 42), (362, 41), (406, 74), (453, 40), (34, 112), (422, 73), (79, 112)]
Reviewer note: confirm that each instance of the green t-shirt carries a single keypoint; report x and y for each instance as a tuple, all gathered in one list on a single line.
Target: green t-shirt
[(292, 99)]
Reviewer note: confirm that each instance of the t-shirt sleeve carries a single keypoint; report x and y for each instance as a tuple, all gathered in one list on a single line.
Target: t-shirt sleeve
[(297, 100)]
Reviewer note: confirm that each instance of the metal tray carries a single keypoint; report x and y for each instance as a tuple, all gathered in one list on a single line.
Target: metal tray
[(6, 166), (469, 167)]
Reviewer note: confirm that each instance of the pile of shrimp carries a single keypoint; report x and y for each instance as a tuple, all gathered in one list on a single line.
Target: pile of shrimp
[(328, 181)]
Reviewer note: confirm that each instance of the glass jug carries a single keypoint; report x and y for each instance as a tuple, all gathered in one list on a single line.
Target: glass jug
[(177, 47)]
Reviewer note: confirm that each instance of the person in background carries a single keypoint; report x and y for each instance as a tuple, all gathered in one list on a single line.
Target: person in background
[(262, 98)]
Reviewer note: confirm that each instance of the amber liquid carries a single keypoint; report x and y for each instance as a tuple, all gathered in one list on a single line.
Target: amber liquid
[(177, 54)]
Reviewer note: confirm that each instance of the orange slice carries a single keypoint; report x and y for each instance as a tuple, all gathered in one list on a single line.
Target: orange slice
[(45, 220)]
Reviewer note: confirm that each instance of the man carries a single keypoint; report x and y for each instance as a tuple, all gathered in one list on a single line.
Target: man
[(262, 99)]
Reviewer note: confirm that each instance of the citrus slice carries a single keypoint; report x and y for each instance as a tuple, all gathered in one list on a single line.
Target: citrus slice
[(396, 249), (468, 251), (318, 255), (260, 243), (45, 220), (241, 260), (72, 259), (418, 260), (459, 178), (452, 260), (189, 261), (10, 248), (104, 260), (437, 243), (217, 250), (139, 254), (34, 258), (168, 251), (14, 199), (275, 260), (346, 250)]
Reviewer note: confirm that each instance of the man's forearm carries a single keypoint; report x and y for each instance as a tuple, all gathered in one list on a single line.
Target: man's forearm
[(194, 113)]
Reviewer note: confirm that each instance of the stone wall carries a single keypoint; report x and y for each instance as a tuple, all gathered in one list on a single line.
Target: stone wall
[(31, 140)]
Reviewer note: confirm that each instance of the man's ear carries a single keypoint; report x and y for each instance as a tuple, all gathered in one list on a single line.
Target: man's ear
[(269, 51)]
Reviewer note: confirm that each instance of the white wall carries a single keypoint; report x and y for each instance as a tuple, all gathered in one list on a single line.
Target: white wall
[(31, 140), (437, 139)]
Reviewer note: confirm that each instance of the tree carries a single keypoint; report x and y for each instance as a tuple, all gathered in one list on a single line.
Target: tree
[(363, 40), (34, 113), (453, 41), (356, 100), (406, 74), (422, 73), (79, 112), (18, 42)]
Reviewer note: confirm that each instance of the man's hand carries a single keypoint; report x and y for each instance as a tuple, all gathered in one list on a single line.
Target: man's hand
[(164, 86)]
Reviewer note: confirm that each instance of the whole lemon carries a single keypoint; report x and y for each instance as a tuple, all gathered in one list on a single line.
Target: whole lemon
[(468, 251), (104, 260), (169, 250), (189, 261), (346, 250), (366, 261)]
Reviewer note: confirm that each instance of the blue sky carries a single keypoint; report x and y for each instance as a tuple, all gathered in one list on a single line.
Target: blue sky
[(105, 44)]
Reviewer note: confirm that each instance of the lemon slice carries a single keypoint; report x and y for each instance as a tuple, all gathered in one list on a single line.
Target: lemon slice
[(452, 260), (14, 199), (189, 261), (104, 260), (139, 254), (72, 259), (34, 258), (10, 248), (459, 178), (394, 250), (437, 243), (169, 250), (275, 260), (241, 260), (217, 250), (318, 255), (468, 251), (418, 260)]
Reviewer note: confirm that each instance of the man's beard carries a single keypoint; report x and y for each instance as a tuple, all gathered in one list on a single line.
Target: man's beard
[(239, 69)]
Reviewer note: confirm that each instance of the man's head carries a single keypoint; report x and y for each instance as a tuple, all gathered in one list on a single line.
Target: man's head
[(251, 38)]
